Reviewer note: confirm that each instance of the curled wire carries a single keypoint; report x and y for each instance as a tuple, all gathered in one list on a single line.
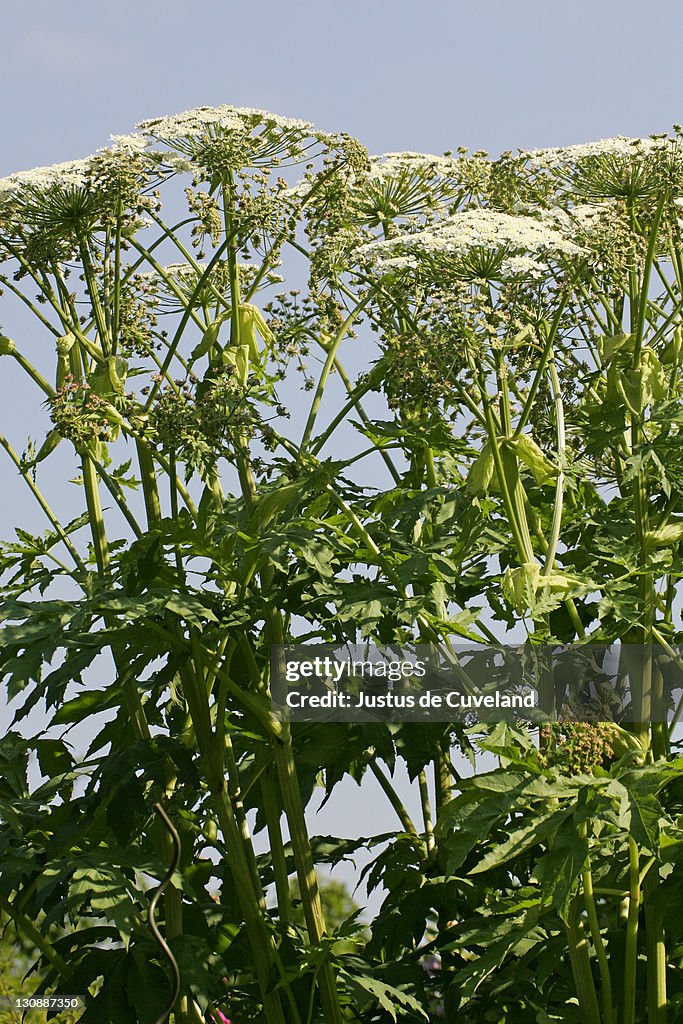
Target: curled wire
[(168, 825)]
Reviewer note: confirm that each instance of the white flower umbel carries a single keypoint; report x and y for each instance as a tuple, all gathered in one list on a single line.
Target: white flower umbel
[(70, 173), (619, 146), (479, 229), (223, 118), (389, 165), (82, 173)]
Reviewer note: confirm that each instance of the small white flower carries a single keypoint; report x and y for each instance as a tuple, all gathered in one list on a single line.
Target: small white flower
[(126, 144), (522, 266), (398, 263)]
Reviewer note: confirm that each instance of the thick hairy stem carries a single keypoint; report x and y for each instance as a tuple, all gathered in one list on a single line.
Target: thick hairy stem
[(443, 780), (277, 849), (426, 809), (251, 899), (95, 517), (596, 935), (656, 957), (642, 684), (646, 589), (581, 967), (150, 488), (301, 844), (235, 792), (305, 869), (559, 487), (631, 949), (260, 940)]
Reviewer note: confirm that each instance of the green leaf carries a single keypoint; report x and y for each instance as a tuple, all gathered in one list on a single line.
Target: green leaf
[(393, 1000), (521, 839), (560, 867), (54, 757)]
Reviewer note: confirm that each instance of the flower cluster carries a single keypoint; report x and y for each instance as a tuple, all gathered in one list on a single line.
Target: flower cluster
[(419, 371), (409, 185), (619, 168), (137, 319), (62, 205), (603, 231), (476, 244), (222, 118), (79, 414), (222, 140), (583, 746), (619, 146), (201, 421)]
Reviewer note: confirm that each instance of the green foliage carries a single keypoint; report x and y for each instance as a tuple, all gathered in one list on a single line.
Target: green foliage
[(508, 458)]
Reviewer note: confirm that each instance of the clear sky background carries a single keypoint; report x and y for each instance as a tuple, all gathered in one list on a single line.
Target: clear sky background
[(487, 74)]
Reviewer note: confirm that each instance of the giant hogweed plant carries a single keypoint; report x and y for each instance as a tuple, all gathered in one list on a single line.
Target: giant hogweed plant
[(518, 411)]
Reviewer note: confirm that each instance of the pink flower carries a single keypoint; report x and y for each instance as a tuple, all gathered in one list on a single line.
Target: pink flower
[(221, 1018)]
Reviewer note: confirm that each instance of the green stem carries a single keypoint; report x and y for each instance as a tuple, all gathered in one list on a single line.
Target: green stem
[(190, 304), (581, 967), (391, 794), (305, 869), (261, 943), (540, 369), (596, 934), (251, 898), (94, 295), (150, 488), (167, 279), (331, 350), (365, 419), (645, 283), (559, 487), (32, 933), (95, 517), (33, 373), (35, 491), (631, 950), (443, 779), (426, 808), (235, 793), (277, 849), (656, 957)]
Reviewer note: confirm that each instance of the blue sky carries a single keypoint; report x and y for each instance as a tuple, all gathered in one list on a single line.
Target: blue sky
[(490, 74)]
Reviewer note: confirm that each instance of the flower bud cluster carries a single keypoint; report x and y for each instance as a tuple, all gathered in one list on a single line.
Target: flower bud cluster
[(582, 747), (79, 415), (201, 421)]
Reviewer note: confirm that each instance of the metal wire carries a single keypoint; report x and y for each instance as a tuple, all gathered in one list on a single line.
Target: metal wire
[(168, 825)]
